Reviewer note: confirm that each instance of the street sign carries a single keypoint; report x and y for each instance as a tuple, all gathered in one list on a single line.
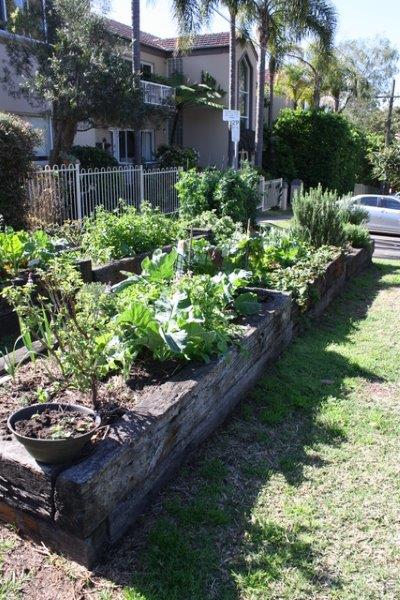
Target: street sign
[(230, 115), (235, 130)]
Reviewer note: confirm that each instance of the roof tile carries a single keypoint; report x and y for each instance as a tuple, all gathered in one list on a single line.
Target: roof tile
[(205, 40)]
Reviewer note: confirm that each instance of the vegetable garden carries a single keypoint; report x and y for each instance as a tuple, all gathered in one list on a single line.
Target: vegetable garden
[(201, 303)]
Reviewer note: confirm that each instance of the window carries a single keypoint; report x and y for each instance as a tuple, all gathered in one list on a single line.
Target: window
[(369, 201), (147, 140), (126, 146), (3, 11), (390, 203), (244, 92), (43, 126), (147, 70), (123, 144)]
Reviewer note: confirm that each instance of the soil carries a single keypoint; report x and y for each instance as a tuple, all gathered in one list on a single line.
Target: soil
[(55, 424), (114, 395)]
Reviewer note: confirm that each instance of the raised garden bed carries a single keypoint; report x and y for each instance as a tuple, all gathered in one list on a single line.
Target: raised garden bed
[(81, 509), (109, 273)]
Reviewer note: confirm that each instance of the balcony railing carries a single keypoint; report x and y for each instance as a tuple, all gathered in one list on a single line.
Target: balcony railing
[(157, 94)]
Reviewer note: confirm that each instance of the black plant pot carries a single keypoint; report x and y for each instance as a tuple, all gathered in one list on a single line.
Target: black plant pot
[(53, 451)]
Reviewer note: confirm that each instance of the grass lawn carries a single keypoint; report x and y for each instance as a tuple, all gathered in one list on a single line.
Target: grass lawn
[(297, 497)]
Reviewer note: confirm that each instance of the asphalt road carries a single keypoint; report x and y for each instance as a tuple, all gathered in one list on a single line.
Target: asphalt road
[(387, 246)]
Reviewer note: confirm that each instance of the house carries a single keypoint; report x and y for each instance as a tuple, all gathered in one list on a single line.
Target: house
[(200, 127)]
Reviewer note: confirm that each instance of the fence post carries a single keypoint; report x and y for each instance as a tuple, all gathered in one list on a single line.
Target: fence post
[(78, 192), (141, 183)]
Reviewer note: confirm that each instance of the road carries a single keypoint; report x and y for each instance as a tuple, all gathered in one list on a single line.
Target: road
[(387, 246)]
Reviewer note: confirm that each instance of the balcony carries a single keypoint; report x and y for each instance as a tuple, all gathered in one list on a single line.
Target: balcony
[(157, 94)]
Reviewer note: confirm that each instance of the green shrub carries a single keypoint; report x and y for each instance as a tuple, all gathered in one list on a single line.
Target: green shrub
[(231, 196), (318, 147), (318, 219), (229, 193), (352, 213), (357, 235), (17, 143), (224, 228), (175, 156), (192, 199), (210, 179), (93, 158)]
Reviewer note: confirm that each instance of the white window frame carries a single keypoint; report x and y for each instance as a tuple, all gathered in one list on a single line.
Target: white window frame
[(48, 141), (245, 118), (147, 64), (3, 4), (116, 146), (152, 135)]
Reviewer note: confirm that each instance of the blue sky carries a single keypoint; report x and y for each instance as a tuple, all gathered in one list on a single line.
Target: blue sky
[(357, 18)]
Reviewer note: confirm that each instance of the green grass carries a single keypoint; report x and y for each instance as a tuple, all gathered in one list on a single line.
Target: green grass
[(298, 497), (11, 585)]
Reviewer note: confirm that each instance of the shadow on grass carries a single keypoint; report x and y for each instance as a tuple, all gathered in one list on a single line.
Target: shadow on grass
[(202, 539)]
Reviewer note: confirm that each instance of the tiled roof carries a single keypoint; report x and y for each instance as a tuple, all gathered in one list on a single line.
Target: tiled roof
[(206, 40)]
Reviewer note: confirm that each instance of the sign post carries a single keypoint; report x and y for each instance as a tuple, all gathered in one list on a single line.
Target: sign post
[(233, 118)]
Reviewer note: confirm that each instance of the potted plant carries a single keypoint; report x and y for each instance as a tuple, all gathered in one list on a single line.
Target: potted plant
[(54, 433)]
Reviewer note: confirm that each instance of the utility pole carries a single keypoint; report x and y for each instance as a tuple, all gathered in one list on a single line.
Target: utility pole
[(388, 135)]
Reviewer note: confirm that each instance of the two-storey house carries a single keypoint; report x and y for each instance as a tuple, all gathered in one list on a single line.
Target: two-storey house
[(201, 128)]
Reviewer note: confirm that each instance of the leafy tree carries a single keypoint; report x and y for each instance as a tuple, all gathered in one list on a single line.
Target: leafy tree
[(318, 147), (373, 64), (82, 72), (301, 17), (386, 165)]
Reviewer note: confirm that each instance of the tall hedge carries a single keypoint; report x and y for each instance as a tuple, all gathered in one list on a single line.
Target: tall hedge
[(318, 147), (17, 143)]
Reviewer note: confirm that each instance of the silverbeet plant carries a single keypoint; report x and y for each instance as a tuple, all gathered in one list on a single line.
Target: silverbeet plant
[(190, 317)]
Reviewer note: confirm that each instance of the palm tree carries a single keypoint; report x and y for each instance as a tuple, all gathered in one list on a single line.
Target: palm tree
[(294, 84), (193, 13), (301, 17), (135, 13)]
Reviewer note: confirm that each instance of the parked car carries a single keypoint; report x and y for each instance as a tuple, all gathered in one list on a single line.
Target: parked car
[(384, 212)]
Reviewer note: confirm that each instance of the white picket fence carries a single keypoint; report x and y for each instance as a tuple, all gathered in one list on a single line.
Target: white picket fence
[(271, 194), (70, 193)]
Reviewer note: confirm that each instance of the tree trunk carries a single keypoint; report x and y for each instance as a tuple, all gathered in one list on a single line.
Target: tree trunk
[(136, 71), (272, 72), (317, 93), (232, 78), (64, 135), (174, 127), (336, 98), (263, 40)]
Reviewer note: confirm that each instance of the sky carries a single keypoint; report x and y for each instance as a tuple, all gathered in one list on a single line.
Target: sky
[(357, 18)]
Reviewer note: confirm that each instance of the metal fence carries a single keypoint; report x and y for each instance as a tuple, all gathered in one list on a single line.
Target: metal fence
[(58, 194)]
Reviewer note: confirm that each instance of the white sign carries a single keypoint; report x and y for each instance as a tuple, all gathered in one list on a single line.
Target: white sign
[(235, 131), (230, 115)]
